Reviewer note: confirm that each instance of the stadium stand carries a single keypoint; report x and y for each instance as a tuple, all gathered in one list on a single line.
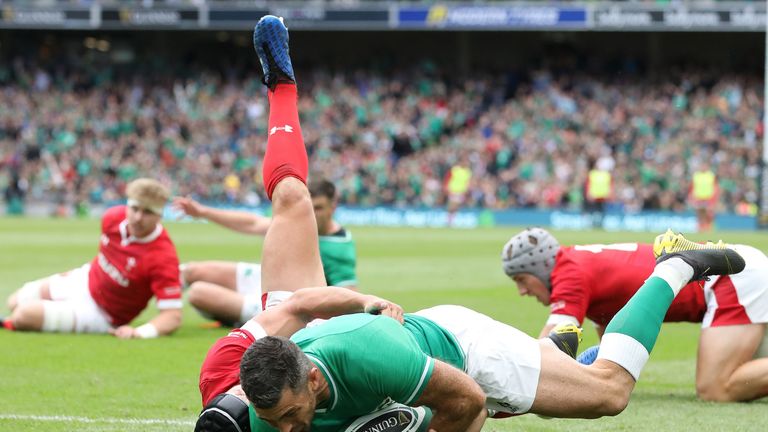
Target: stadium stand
[(78, 136)]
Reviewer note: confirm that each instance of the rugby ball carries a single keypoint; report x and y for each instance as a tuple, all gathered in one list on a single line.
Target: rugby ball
[(393, 418), (589, 355)]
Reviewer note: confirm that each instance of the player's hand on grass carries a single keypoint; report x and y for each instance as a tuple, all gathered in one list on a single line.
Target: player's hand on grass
[(188, 206), (379, 306), (124, 332)]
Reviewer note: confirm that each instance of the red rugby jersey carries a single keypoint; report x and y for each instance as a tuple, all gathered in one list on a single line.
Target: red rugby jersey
[(595, 281), (128, 271)]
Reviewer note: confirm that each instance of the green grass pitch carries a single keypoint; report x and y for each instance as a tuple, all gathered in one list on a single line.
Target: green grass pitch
[(98, 383)]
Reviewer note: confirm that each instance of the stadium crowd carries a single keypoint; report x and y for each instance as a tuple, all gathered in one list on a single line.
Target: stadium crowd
[(78, 135)]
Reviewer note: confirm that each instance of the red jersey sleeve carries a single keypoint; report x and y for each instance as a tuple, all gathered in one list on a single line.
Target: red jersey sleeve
[(570, 295), (165, 282)]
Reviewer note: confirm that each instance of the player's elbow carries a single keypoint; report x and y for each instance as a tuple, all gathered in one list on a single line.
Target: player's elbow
[(469, 406), (613, 400)]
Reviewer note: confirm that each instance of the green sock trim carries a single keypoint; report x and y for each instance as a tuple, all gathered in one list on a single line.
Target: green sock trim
[(642, 316)]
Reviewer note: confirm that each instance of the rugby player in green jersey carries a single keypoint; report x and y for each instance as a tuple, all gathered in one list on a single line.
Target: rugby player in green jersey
[(231, 292), (461, 364)]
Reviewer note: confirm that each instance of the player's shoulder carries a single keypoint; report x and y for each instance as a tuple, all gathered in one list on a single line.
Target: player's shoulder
[(113, 215), (341, 325), (164, 239), (340, 236), (566, 255)]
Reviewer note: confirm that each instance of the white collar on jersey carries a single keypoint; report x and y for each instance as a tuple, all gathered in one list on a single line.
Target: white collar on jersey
[(126, 239), (331, 384)]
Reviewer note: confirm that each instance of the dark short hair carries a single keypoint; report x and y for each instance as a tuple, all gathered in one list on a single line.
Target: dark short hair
[(322, 187), (269, 366)]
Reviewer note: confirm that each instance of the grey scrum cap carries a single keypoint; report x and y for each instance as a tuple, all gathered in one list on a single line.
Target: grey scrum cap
[(531, 251)]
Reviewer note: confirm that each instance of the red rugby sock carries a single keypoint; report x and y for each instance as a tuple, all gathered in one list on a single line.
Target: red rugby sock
[(286, 155)]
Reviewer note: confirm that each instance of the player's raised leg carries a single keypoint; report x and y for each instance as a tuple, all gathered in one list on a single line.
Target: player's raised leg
[(567, 389), (290, 256)]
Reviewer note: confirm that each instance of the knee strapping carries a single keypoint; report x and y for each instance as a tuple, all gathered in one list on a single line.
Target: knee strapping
[(58, 317)]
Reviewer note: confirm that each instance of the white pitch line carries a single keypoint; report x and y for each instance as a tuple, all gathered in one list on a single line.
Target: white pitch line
[(72, 419)]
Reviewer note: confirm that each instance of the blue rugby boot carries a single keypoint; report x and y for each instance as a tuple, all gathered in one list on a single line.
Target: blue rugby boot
[(270, 40)]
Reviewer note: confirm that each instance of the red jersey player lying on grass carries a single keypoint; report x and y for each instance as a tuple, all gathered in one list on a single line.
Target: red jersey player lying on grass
[(136, 261), (596, 281)]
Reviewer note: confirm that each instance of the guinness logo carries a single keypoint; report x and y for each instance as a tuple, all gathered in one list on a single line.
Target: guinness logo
[(395, 418), (403, 419)]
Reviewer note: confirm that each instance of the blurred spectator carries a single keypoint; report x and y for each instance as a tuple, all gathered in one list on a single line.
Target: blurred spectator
[(457, 186), (599, 189), (14, 195), (77, 135), (703, 195)]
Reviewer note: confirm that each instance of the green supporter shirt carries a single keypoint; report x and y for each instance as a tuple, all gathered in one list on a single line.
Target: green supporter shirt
[(337, 252), (370, 361)]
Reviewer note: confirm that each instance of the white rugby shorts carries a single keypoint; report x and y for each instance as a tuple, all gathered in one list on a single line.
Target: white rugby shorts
[(504, 361), (70, 295), (741, 298), (248, 279)]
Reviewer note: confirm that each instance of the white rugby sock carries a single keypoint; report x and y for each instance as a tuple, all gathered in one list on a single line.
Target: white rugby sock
[(675, 272)]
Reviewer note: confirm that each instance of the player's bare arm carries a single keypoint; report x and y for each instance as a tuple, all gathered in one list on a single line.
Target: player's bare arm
[(165, 323), (545, 331), (456, 400), (308, 304), (243, 222)]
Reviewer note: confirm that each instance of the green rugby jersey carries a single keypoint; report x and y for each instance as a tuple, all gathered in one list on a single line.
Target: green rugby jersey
[(337, 252), (370, 361)]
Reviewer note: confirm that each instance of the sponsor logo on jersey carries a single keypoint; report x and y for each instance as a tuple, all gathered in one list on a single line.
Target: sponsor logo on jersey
[(112, 271), (130, 264), (237, 333), (557, 305), (394, 420), (172, 291), (385, 403)]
